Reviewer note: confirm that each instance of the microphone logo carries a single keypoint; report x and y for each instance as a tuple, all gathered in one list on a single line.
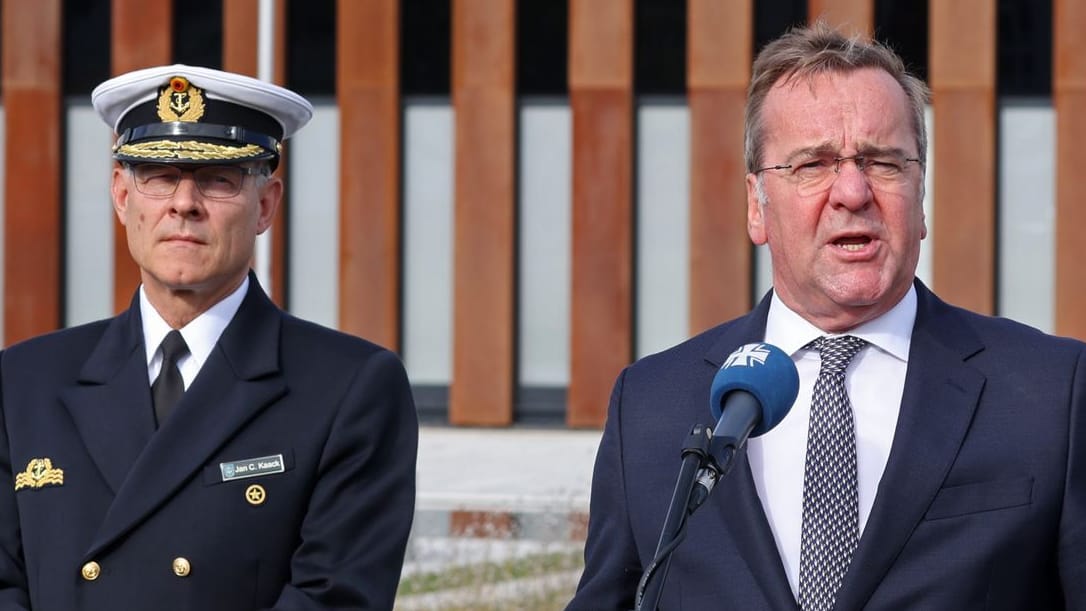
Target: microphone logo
[(748, 356)]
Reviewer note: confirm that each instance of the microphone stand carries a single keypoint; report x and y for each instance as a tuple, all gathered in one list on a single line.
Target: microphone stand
[(706, 459), (695, 451)]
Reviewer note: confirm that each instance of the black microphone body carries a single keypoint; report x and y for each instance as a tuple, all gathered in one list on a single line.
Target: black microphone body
[(740, 415)]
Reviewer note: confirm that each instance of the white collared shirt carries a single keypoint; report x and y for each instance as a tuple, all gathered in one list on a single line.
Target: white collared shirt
[(874, 381), (200, 334)]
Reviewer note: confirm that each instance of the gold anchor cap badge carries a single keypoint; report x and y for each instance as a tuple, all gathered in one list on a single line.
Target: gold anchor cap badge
[(180, 101), (39, 472)]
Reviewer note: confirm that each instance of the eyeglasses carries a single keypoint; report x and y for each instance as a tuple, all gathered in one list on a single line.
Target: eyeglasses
[(814, 174), (213, 181)]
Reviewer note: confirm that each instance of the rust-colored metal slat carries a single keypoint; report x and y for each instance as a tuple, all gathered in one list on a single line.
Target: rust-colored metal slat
[(1069, 84), (719, 44), (849, 16), (485, 200), (32, 195), (601, 96), (368, 92), (962, 75)]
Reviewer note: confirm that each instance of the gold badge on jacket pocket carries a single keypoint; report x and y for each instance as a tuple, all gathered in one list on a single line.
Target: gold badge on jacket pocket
[(255, 494), (39, 472)]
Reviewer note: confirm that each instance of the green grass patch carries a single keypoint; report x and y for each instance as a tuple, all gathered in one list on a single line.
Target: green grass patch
[(554, 601), (479, 574)]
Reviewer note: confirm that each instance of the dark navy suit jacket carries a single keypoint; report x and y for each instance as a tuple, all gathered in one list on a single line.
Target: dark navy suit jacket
[(982, 504), (331, 530)]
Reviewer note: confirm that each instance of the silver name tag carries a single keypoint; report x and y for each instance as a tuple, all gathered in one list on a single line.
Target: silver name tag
[(251, 467)]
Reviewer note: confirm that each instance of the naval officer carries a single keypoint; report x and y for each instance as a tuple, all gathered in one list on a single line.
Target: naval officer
[(203, 450)]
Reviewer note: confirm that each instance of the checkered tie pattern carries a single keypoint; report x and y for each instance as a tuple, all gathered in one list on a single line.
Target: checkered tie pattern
[(830, 502)]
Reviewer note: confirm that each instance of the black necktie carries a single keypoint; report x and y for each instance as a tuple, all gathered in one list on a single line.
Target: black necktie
[(830, 502), (169, 386)]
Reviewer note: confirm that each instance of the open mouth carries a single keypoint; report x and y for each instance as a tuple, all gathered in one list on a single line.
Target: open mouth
[(852, 243)]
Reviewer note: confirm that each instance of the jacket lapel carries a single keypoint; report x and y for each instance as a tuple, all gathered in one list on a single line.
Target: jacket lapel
[(239, 379), (736, 499), (111, 402), (940, 396)]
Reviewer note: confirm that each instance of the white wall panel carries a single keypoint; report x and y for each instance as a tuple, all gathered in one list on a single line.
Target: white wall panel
[(89, 218), (925, 265), (428, 234), (1027, 214), (545, 150), (663, 220), (3, 149), (313, 211)]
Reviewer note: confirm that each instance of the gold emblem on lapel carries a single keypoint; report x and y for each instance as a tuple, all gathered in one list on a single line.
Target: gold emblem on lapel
[(255, 494), (39, 472), (180, 101)]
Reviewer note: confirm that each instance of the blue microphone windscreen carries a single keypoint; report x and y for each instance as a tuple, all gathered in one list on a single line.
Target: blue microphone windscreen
[(764, 371)]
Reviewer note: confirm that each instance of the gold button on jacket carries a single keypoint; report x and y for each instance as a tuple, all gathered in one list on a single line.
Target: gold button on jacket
[(181, 567), (91, 571)]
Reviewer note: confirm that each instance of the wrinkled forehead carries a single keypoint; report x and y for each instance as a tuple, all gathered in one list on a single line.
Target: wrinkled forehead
[(847, 111)]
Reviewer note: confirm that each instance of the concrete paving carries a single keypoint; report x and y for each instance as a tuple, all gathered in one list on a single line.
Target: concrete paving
[(490, 500), (514, 469), (489, 495)]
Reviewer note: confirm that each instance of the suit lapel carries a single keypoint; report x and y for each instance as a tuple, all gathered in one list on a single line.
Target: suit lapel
[(736, 499), (940, 396), (239, 379), (738, 502), (111, 414)]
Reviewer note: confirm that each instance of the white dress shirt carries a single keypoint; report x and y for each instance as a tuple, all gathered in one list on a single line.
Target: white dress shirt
[(200, 334), (874, 380)]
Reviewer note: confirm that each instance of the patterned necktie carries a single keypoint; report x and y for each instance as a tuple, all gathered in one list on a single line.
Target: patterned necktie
[(830, 502), (169, 386)]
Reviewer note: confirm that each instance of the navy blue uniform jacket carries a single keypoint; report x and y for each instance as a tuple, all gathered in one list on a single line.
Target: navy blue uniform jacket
[(331, 530), (982, 504)]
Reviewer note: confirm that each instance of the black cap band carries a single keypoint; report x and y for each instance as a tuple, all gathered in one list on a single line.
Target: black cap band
[(229, 133), (218, 112)]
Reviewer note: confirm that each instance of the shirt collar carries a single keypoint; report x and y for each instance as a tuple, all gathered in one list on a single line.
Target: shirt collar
[(891, 332), (201, 333)]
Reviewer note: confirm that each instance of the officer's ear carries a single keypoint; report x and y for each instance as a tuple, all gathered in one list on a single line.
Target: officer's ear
[(118, 190), (270, 193)]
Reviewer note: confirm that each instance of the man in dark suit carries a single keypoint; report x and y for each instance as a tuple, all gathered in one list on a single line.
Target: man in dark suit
[(202, 450), (939, 464)]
